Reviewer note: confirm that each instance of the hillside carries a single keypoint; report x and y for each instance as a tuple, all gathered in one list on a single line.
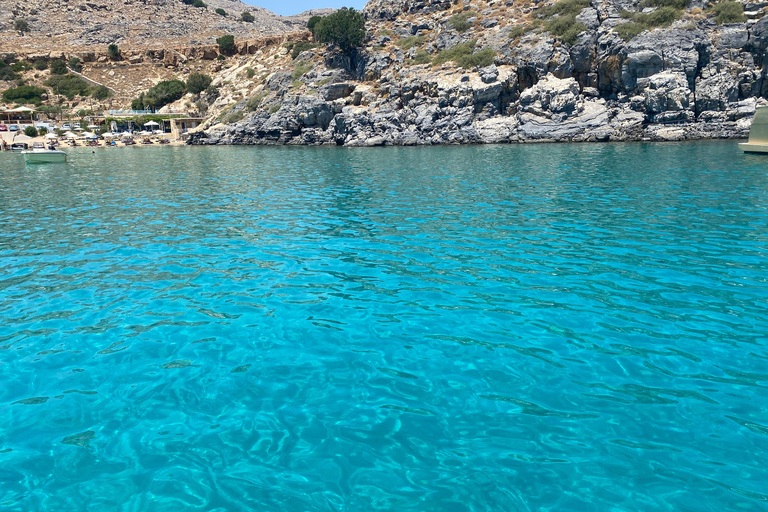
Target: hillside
[(82, 24)]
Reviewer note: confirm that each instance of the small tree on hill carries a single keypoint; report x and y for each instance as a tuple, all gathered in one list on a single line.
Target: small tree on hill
[(198, 82), (75, 64), (21, 25), (58, 67), (345, 28), (113, 52), (312, 25), (30, 131), (246, 17), (221, 11), (226, 44)]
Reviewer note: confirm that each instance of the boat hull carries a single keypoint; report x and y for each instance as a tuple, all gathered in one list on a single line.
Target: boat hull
[(758, 133), (44, 157), (753, 148)]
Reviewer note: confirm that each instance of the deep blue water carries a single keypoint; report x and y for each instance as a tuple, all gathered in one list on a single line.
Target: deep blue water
[(509, 328)]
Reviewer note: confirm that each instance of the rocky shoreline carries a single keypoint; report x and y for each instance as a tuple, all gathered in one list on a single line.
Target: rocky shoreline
[(466, 111), (693, 79)]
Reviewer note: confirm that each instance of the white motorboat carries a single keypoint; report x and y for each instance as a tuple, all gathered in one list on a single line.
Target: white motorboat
[(758, 133), (44, 156)]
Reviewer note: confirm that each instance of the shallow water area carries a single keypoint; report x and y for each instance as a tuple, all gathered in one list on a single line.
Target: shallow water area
[(533, 327)]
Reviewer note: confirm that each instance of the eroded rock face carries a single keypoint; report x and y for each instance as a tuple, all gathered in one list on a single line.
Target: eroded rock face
[(692, 79)]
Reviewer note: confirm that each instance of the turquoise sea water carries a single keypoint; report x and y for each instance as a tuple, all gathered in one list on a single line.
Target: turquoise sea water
[(510, 328)]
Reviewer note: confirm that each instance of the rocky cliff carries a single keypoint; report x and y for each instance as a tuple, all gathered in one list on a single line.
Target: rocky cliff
[(488, 71)]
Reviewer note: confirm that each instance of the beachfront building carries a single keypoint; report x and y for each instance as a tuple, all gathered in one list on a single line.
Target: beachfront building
[(23, 116), (181, 125)]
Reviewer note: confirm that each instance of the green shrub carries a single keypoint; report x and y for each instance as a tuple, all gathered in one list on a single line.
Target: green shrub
[(563, 8), (629, 30), (160, 95), (226, 44), (459, 21), (23, 94), (42, 130), (221, 11), (249, 72), (345, 28), (273, 109), (21, 25), (40, 64), (68, 85), (728, 12), (565, 27), (254, 102), (480, 59), (234, 117), (642, 21), (312, 23), (198, 82), (462, 55), (75, 64), (301, 46), (30, 131), (21, 66), (519, 31), (455, 53), (420, 57), (301, 69), (6, 73), (246, 17), (100, 93), (199, 3), (113, 52), (58, 67), (676, 4), (220, 57), (406, 43)]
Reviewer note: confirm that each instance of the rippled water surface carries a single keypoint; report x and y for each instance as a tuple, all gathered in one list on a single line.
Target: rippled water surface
[(522, 328)]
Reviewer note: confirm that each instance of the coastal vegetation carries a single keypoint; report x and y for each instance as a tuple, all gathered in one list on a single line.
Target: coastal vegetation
[(113, 52), (58, 67), (460, 22), (642, 21), (160, 95), (21, 25), (24, 94), (40, 64), (68, 86), (75, 64), (226, 44), (728, 12), (301, 46), (406, 43), (6, 72), (559, 19), (462, 54), (301, 69), (220, 12), (420, 57), (345, 28), (198, 82), (312, 25), (30, 131), (246, 17)]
